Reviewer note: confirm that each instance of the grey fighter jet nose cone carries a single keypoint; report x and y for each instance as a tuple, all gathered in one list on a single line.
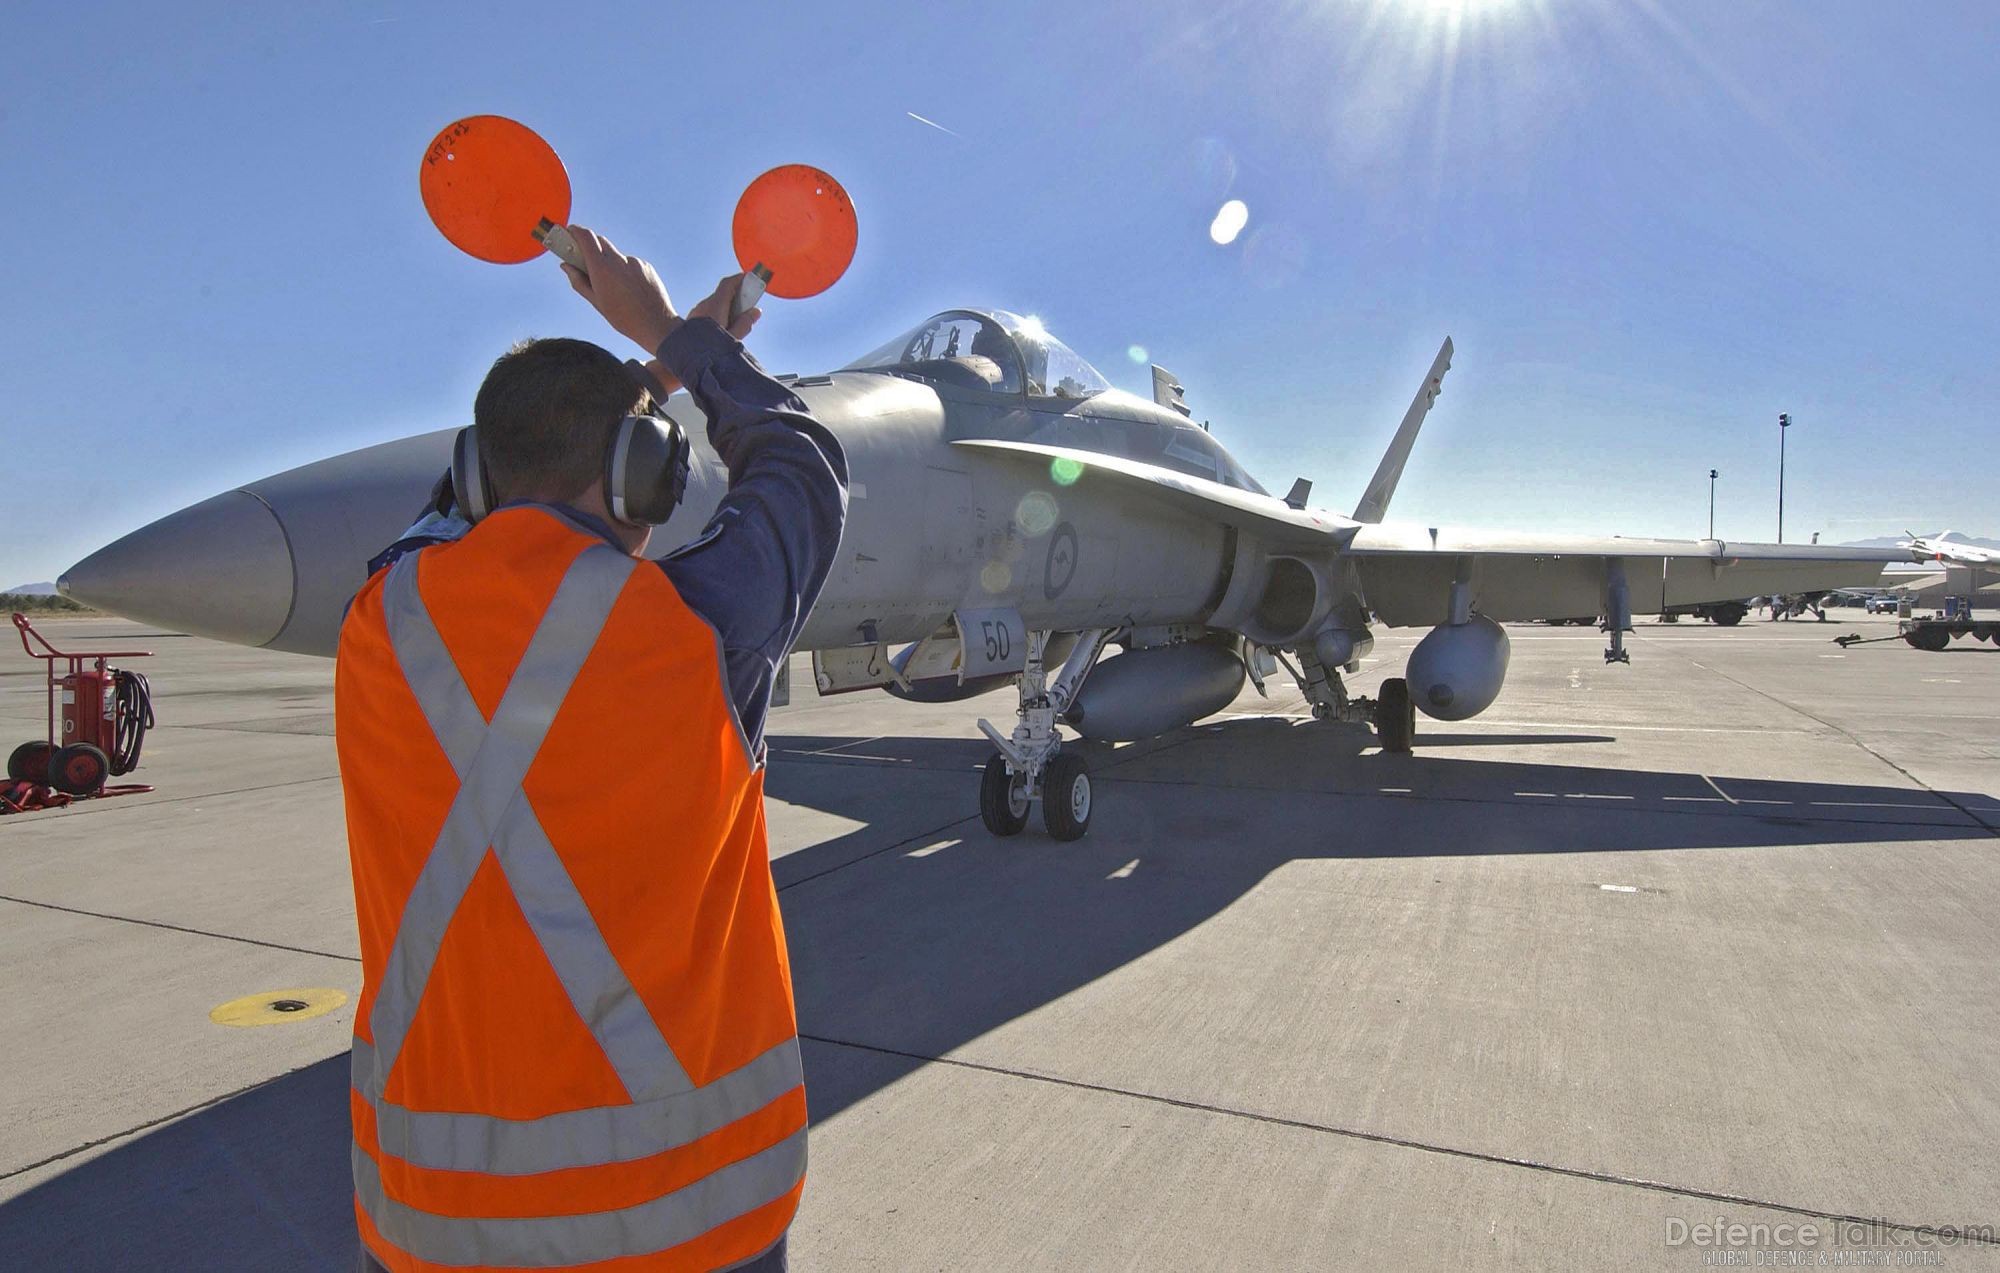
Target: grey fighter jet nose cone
[(221, 569)]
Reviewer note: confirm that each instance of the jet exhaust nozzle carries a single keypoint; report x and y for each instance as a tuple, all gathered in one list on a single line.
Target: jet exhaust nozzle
[(1145, 692), (1456, 672)]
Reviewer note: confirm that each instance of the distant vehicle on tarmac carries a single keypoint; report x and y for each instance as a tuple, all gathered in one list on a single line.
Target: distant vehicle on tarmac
[(1726, 614)]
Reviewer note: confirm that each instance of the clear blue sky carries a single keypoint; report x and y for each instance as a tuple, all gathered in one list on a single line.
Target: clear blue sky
[(1649, 226)]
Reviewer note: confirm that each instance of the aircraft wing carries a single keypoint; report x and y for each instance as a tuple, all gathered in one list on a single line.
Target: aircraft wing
[(1274, 521), (1406, 571)]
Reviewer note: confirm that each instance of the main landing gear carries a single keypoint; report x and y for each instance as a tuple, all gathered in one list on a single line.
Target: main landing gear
[(1032, 765), (1393, 715)]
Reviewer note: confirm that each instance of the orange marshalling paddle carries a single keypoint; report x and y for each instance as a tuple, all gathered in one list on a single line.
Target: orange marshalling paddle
[(488, 183), (500, 193), (794, 233)]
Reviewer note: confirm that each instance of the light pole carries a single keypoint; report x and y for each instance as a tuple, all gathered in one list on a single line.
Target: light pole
[(1784, 423), (1712, 475)]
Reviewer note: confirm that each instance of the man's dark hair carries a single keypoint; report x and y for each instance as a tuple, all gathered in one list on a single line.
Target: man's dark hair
[(546, 413)]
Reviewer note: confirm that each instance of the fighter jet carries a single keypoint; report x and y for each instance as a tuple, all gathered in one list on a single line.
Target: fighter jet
[(1950, 546), (1012, 516)]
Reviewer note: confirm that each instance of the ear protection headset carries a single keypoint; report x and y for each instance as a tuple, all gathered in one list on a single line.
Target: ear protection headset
[(645, 471)]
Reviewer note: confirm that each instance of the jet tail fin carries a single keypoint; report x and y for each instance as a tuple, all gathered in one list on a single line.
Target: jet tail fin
[(1167, 391), (1382, 487)]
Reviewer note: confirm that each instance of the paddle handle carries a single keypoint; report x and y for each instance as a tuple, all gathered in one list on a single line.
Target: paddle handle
[(755, 280), (557, 239)]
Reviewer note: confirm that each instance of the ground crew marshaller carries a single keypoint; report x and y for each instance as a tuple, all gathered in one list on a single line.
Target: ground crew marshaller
[(575, 1045)]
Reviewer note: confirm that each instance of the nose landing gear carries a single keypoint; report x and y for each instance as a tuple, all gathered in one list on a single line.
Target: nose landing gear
[(1031, 764)]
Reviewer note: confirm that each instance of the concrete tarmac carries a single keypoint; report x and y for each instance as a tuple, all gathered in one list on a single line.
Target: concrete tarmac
[(1710, 937)]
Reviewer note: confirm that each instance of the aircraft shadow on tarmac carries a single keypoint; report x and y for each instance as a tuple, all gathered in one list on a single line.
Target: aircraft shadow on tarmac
[(916, 951), (916, 932)]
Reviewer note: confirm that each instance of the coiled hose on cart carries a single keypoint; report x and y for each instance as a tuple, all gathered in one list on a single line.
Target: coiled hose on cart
[(133, 704)]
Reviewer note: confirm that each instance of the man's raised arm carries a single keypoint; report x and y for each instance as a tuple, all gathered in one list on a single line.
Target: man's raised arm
[(757, 567)]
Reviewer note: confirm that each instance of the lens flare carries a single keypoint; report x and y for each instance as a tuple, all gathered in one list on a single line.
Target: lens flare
[(1064, 471), (1274, 255), (1229, 221), (1138, 354), (1036, 513)]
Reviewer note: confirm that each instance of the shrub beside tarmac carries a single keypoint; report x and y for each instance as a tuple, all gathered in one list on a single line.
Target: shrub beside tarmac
[(34, 603)]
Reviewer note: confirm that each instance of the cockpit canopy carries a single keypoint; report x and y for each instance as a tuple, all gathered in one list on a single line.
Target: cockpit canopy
[(987, 349)]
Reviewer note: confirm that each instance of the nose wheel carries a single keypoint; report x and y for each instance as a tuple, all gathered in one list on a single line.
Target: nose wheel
[(1066, 797), (1003, 799)]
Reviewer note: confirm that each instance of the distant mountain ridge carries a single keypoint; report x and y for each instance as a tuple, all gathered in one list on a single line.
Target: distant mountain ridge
[(32, 590)]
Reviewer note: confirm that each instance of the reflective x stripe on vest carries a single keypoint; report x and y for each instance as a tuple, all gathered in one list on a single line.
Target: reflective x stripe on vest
[(491, 808)]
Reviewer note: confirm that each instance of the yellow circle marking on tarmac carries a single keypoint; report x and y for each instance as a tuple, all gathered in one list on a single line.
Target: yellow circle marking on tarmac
[(275, 1006)]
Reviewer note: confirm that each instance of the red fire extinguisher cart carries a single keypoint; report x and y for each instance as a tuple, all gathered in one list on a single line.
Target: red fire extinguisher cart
[(100, 728)]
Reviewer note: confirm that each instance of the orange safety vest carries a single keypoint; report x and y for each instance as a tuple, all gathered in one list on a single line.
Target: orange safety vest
[(575, 1043)]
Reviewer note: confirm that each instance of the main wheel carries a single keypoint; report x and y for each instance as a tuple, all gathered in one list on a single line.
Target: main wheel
[(30, 762), (1395, 715), (78, 769), (1727, 616), (1066, 797), (1003, 799)]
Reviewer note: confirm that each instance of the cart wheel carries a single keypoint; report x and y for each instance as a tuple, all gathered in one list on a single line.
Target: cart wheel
[(30, 762), (78, 769)]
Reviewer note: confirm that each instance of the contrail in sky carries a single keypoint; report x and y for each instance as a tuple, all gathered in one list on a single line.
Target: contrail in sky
[(931, 122)]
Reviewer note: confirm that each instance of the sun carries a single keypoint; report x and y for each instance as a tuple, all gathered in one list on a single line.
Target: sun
[(1455, 11)]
